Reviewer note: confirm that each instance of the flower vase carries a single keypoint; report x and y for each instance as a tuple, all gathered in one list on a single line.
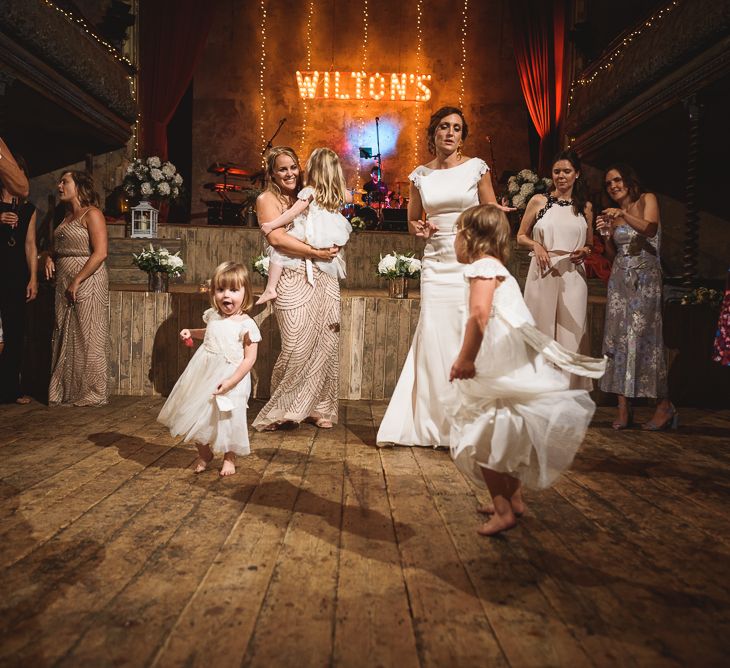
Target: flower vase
[(398, 287), (157, 281)]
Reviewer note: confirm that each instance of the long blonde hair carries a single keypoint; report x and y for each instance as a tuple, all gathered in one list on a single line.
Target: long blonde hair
[(485, 231), (271, 155), (231, 275), (324, 174)]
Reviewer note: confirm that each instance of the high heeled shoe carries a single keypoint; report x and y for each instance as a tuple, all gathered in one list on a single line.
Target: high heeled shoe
[(618, 425), (672, 422)]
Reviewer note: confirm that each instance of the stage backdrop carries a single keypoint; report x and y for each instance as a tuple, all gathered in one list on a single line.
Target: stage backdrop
[(468, 54)]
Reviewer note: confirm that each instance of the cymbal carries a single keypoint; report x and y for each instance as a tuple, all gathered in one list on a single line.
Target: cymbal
[(355, 191)]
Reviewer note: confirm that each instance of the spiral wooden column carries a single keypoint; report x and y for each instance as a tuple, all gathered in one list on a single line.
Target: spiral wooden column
[(692, 225)]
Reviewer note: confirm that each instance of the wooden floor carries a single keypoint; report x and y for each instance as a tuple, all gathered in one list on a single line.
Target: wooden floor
[(324, 550)]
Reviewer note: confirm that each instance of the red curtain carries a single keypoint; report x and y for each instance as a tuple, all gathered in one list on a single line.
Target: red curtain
[(172, 38), (539, 44)]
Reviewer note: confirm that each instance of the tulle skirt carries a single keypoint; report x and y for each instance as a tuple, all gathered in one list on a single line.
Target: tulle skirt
[(517, 415), (192, 412)]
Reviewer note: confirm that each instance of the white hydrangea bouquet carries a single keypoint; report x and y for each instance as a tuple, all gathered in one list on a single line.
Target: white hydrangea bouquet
[(395, 265), (525, 184), (152, 178), (160, 260), (260, 265)]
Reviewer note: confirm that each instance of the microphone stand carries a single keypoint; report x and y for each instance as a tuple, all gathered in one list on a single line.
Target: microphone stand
[(380, 172), (268, 143), (377, 138)]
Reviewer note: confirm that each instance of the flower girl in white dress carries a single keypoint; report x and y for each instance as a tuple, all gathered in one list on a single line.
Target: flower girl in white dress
[(513, 418), (322, 226), (208, 404)]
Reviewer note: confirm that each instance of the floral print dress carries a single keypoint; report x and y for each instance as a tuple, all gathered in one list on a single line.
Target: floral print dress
[(721, 347), (632, 338)]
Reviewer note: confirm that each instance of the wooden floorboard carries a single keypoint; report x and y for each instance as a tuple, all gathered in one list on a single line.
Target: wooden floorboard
[(325, 550)]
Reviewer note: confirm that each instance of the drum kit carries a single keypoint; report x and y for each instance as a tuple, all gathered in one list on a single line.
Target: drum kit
[(369, 206)]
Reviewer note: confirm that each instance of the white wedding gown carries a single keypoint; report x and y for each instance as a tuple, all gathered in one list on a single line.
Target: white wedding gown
[(415, 414)]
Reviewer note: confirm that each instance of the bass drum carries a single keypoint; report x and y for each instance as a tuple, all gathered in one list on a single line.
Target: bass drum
[(368, 215)]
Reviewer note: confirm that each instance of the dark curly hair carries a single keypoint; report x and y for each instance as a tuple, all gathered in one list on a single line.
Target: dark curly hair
[(437, 117), (580, 189)]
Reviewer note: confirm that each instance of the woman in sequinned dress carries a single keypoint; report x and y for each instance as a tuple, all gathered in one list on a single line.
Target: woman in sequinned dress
[(79, 371)]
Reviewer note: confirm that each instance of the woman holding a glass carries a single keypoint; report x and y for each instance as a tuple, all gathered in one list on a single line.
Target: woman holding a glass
[(632, 338)]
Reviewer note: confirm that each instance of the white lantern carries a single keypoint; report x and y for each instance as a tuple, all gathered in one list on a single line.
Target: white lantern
[(144, 220)]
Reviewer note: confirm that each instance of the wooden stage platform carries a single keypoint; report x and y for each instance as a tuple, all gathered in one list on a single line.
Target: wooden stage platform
[(324, 550)]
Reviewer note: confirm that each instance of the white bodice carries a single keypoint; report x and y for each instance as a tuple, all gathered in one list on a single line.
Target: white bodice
[(558, 229), (225, 336), (445, 193)]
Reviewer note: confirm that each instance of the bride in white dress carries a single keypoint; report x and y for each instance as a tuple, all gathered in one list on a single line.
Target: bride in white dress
[(442, 189)]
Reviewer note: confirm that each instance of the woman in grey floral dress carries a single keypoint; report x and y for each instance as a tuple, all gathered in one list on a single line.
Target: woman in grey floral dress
[(633, 335)]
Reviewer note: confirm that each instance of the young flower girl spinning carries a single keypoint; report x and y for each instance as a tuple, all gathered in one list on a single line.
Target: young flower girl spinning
[(208, 404), (513, 418), (323, 226)]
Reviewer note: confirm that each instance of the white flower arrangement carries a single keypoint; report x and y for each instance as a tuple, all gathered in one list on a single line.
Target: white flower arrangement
[(260, 265), (160, 260), (396, 264), (152, 178), (523, 185)]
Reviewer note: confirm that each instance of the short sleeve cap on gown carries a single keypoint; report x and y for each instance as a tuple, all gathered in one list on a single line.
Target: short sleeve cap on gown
[(486, 268), (250, 328), (306, 193)]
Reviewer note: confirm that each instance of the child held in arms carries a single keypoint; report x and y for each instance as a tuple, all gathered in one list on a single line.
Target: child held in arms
[(316, 220)]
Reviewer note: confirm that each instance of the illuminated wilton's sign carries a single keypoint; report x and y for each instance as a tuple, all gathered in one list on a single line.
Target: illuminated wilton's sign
[(362, 86)]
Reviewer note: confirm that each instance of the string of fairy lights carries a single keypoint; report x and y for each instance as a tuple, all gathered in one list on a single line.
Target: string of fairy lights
[(606, 62), (112, 50), (262, 92), (310, 19), (85, 27), (363, 69), (462, 76), (419, 49)]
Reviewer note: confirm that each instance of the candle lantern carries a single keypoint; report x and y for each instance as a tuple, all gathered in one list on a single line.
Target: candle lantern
[(144, 220)]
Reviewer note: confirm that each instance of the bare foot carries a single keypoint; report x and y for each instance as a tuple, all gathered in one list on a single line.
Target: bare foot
[(497, 524), (271, 427), (205, 456), (25, 399), (518, 508), (229, 465), (200, 465), (516, 502), (267, 296), (322, 423)]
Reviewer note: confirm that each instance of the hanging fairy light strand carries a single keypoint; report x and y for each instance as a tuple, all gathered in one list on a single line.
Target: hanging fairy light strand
[(262, 93), (419, 48), (363, 69), (310, 19), (606, 62), (462, 78), (85, 27)]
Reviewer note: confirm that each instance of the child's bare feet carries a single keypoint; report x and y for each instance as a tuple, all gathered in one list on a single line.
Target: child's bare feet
[(516, 501), (23, 400), (267, 296), (498, 524), (205, 456), (229, 465)]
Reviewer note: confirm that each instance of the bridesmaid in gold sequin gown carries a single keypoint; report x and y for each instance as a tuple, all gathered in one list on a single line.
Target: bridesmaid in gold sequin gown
[(305, 378), (79, 373)]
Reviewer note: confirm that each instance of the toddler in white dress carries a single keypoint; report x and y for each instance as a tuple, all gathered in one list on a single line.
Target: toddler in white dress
[(513, 418), (316, 220), (208, 404)]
